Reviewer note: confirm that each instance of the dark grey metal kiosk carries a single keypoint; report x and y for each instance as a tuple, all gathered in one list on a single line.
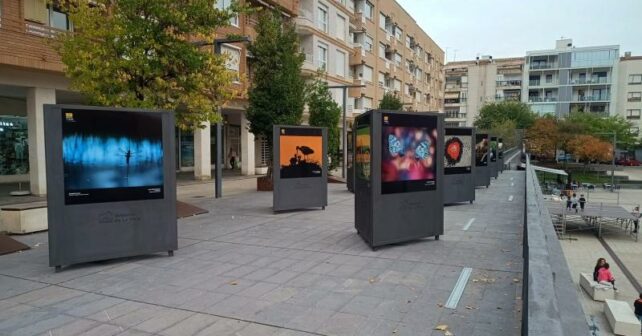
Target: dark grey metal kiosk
[(300, 168), (111, 183), (398, 162), (459, 165), (482, 154), (494, 163)]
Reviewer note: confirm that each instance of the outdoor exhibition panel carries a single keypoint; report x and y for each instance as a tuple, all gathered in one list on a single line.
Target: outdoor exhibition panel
[(111, 183), (493, 164), (398, 162), (500, 154), (459, 170), (482, 154), (350, 165), (300, 168)]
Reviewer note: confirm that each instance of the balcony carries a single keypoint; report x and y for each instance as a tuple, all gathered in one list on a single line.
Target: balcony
[(312, 64), (542, 66), (598, 80), (633, 117), (634, 99), (534, 83), (455, 115), (542, 99), (452, 101), (305, 22), (508, 98), (509, 83), (596, 98)]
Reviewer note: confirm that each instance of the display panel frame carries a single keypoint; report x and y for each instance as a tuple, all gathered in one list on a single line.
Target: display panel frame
[(307, 160), (465, 136), (482, 151), (493, 149), (400, 149)]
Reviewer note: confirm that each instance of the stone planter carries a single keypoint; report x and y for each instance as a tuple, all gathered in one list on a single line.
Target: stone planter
[(264, 183)]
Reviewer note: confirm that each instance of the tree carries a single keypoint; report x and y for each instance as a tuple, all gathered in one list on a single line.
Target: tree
[(603, 127), (277, 94), (543, 137), (588, 148), (325, 112), (390, 101), (138, 53), (496, 113), (506, 130)]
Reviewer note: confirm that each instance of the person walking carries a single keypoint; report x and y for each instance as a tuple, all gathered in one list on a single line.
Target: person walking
[(638, 308), (569, 202), (574, 202), (636, 222), (582, 202)]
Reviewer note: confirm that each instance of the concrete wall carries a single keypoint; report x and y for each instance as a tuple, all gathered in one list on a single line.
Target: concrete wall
[(551, 306)]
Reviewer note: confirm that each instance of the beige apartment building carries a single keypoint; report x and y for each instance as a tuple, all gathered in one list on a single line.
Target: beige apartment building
[(471, 84), (629, 97)]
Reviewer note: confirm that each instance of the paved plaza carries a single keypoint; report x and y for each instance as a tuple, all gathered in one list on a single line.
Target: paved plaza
[(243, 270)]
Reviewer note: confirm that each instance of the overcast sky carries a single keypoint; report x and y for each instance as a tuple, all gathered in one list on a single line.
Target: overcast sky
[(508, 28)]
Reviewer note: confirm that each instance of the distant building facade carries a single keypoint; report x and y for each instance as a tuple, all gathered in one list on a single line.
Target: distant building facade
[(629, 97)]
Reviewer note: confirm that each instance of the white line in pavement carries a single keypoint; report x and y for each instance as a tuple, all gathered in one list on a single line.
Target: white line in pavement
[(470, 222), (455, 295), (512, 157), (510, 198), (512, 184)]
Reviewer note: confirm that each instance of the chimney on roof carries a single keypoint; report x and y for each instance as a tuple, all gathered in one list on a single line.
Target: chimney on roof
[(564, 44), (627, 54)]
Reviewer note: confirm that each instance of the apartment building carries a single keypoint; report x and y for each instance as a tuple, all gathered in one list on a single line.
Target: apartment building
[(471, 84), (393, 54), (338, 36), (629, 97), (570, 78)]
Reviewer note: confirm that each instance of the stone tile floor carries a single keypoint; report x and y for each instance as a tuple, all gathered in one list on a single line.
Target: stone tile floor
[(244, 270)]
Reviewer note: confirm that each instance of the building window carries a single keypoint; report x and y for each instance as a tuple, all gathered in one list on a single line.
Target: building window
[(397, 85), (407, 89), (322, 20), (382, 21), (224, 5), (369, 10), (341, 64), (633, 114), (233, 61), (398, 59), (382, 50), (322, 55), (399, 33), (368, 43), (366, 73), (634, 96), (408, 40), (341, 28), (635, 79), (549, 79), (382, 79), (367, 103), (264, 152)]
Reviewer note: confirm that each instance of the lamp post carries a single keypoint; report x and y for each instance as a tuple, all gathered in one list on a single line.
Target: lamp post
[(344, 132), (218, 175)]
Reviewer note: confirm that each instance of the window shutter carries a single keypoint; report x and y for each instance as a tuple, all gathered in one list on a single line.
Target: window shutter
[(36, 10)]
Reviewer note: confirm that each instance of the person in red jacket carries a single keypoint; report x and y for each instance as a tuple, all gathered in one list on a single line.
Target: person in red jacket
[(605, 277), (638, 308)]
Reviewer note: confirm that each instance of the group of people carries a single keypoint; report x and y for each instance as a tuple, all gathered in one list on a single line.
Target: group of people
[(602, 274), (573, 201)]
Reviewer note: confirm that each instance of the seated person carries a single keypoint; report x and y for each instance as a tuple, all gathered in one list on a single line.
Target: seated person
[(605, 277)]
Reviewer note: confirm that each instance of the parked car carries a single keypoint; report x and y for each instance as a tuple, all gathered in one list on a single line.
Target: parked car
[(627, 162)]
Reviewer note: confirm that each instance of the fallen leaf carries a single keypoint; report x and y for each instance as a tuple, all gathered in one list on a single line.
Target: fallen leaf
[(470, 307), (448, 333), (234, 283), (394, 331), (475, 280), (499, 308), (440, 305), (409, 301), (442, 327), (37, 244), (505, 250), (372, 280), (515, 280)]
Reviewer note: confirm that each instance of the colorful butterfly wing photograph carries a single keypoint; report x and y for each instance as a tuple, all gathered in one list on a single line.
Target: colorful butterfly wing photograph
[(394, 145), (423, 150)]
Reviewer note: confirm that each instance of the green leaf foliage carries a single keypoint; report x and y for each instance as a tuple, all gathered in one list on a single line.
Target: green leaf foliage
[(325, 112), (139, 53), (277, 94), (492, 114), (601, 127), (390, 101)]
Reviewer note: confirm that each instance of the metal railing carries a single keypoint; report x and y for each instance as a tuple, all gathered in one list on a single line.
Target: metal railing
[(599, 80), (536, 66), (542, 99), (515, 82), (593, 98), (533, 83)]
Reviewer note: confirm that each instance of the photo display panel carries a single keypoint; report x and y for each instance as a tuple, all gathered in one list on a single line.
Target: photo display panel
[(493, 149), (408, 161), (457, 154), (500, 148), (362, 153), (481, 150), (301, 153), (111, 156)]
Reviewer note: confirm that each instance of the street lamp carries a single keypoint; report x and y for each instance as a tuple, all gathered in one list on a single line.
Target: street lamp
[(218, 175), (344, 132)]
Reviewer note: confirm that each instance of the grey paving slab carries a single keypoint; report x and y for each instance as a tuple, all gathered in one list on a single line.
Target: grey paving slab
[(243, 270)]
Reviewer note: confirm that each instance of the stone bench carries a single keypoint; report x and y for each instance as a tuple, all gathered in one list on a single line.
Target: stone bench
[(621, 318), (23, 218), (595, 290)]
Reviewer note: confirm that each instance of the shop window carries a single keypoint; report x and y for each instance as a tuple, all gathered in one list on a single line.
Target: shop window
[(14, 149)]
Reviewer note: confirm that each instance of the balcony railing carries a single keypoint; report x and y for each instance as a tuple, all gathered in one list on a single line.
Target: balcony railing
[(633, 117), (509, 83), (593, 98), (508, 98), (454, 101), (533, 83), (455, 115), (311, 64), (537, 66), (542, 99), (599, 80), (634, 99)]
